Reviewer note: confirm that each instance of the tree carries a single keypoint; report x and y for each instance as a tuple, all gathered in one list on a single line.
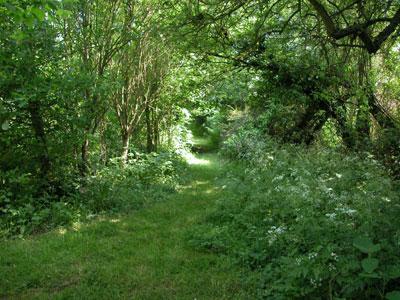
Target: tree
[(140, 69), (365, 17), (276, 37), (28, 51), (96, 32)]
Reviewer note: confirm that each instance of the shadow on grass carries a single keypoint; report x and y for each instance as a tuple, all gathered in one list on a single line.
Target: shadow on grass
[(140, 256)]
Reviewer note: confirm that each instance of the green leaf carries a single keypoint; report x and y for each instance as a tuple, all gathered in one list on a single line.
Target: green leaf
[(365, 245), (395, 295), (369, 264), (19, 36), (63, 13), (39, 14), (29, 20), (5, 125), (394, 272), (52, 5), (370, 275)]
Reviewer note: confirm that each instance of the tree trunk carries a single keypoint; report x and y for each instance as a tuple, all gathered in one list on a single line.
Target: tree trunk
[(125, 146), (382, 117), (363, 123), (156, 136), (149, 130), (103, 144), (344, 130), (40, 135), (301, 132), (84, 167), (156, 132)]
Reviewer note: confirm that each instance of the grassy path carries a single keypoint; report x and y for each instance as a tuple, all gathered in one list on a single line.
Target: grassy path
[(141, 256)]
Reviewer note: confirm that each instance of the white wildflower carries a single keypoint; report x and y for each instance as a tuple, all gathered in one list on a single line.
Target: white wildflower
[(312, 255), (331, 216)]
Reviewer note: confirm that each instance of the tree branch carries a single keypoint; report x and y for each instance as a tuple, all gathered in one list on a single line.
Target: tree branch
[(360, 30)]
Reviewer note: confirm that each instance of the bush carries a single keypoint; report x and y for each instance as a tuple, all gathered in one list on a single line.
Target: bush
[(314, 224), (146, 177), (25, 209), (387, 149)]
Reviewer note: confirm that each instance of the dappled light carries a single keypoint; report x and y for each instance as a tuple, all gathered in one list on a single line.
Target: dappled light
[(199, 149), (192, 159), (62, 231), (211, 191), (76, 226)]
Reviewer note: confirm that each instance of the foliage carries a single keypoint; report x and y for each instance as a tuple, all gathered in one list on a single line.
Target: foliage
[(58, 135), (311, 68), (99, 100), (314, 224), (146, 178), (145, 248), (206, 127)]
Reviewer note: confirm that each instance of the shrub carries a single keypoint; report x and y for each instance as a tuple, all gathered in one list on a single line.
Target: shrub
[(146, 177), (25, 209), (315, 224)]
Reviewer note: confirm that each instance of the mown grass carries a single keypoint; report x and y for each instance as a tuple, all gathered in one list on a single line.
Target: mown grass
[(140, 256), (205, 144)]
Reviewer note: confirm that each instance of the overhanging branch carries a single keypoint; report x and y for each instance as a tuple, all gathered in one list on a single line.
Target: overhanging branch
[(361, 30)]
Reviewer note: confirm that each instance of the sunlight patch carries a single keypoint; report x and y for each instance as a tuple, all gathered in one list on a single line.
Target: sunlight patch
[(200, 182), (76, 226), (193, 160), (62, 231), (210, 191)]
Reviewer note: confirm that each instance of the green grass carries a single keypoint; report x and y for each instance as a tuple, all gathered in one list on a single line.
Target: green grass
[(205, 144), (140, 256)]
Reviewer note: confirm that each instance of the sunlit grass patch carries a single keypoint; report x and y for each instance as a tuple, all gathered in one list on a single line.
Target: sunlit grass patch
[(192, 159), (144, 255)]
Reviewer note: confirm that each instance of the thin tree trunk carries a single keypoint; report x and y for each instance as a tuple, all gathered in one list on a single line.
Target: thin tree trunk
[(125, 146), (84, 167), (40, 135), (156, 137), (363, 124), (378, 112), (149, 130), (103, 143), (345, 132)]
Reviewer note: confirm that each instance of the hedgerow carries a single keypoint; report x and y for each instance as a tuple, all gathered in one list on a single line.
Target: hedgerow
[(115, 188), (312, 223)]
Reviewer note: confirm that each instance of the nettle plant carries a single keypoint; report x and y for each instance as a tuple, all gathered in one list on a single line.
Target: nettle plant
[(371, 267), (305, 219)]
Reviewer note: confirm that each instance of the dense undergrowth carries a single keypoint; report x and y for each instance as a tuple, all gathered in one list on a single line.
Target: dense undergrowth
[(115, 188), (312, 223)]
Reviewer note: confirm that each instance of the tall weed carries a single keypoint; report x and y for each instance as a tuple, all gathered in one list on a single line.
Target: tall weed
[(313, 223)]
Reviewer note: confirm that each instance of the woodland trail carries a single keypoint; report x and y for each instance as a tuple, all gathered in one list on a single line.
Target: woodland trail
[(144, 255)]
